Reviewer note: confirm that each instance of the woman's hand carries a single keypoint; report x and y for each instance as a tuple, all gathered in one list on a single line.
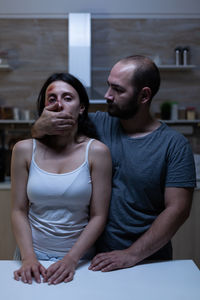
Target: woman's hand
[(30, 268), (61, 271)]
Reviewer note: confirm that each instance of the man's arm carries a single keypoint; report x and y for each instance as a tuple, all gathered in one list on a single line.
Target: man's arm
[(52, 122), (177, 208)]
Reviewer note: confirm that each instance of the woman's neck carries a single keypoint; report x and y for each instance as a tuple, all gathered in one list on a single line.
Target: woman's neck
[(61, 142)]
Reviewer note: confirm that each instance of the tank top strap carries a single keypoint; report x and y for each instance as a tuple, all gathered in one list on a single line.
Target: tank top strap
[(87, 149), (34, 148)]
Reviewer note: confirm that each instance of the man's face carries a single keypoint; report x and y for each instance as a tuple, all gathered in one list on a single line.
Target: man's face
[(121, 96)]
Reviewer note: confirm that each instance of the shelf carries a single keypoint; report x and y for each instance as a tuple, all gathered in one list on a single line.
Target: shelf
[(189, 122), (5, 67), (98, 101), (176, 68), (161, 67), (17, 121), (5, 185), (101, 102)]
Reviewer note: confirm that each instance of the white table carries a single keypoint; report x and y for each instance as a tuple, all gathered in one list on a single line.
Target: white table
[(174, 280)]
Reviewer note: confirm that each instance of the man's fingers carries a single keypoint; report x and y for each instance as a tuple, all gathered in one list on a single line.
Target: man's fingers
[(97, 259), (100, 262), (109, 267), (52, 107), (58, 114)]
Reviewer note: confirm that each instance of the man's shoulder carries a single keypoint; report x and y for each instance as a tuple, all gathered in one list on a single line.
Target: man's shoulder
[(103, 114), (98, 114), (101, 118), (172, 134)]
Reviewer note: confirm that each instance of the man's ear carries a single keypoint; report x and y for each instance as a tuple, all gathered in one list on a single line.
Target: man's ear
[(145, 94)]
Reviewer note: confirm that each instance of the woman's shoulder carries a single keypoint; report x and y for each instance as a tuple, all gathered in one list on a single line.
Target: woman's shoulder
[(99, 156), (23, 146), (98, 147)]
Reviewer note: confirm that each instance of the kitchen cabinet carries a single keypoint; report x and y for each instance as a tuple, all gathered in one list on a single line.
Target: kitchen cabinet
[(186, 242), (7, 241)]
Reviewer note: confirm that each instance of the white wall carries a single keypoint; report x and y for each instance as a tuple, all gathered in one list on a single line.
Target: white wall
[(60, 8)]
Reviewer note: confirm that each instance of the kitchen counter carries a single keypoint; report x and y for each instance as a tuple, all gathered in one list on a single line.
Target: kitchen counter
[(173, 280)]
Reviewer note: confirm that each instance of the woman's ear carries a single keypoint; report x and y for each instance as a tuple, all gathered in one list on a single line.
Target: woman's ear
[(82, 108), (145, 94)]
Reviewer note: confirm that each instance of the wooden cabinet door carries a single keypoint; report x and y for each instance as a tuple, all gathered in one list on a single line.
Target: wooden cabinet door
[(186, 242), (7, 241)]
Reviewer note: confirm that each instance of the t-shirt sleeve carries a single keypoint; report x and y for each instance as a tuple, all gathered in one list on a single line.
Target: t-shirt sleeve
[(100, 122), (95, 117), (180, 167)]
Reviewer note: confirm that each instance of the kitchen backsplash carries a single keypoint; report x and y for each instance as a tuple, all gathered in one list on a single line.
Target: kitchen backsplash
[(36, 48)]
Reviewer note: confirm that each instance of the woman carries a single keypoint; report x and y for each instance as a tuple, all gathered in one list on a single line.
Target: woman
[(61, 187)]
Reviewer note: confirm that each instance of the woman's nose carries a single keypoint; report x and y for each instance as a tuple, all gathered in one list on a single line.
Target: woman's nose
[(60, 105)]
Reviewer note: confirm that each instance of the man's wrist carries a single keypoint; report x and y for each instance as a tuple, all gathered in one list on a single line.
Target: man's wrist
[(35, 132)]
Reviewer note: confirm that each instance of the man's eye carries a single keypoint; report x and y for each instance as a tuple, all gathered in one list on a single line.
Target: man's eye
[(118, 90)]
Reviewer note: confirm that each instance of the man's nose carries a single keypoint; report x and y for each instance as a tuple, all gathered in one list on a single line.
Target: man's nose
[(108, 95)]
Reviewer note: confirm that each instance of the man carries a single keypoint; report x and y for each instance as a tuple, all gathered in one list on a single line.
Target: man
[(153, 168)]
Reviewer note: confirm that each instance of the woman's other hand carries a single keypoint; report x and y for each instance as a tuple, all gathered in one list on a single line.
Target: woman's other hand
[(31, 268)]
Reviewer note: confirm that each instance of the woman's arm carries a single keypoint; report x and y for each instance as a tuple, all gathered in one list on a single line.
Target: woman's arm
[(101, 169), (19, 213)]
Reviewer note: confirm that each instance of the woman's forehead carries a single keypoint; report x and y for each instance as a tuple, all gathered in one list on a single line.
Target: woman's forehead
[(60, 86)]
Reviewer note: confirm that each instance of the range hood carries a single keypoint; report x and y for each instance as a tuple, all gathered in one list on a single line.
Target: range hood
[(79, 54)]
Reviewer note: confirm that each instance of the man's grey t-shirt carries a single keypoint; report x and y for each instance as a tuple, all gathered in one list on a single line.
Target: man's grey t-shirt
[(142, 168)]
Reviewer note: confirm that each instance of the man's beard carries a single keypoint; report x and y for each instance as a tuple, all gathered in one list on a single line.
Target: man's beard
[(123, 113)]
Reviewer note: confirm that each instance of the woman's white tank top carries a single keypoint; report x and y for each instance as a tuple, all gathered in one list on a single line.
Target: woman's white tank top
[(59, 206)]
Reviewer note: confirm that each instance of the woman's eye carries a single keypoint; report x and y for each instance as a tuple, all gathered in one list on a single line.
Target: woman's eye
[(68, 98), (51, 100)]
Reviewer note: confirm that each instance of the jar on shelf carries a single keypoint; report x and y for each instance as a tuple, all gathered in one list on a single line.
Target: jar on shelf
[(190, 113), (185, 56), (178, 56), (181, 113), (174, 111)]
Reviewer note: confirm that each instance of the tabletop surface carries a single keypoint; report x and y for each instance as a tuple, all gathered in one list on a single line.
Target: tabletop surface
[(174, 280)]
